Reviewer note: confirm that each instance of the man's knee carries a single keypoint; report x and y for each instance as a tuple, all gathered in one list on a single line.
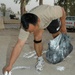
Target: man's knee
[(38, 37)]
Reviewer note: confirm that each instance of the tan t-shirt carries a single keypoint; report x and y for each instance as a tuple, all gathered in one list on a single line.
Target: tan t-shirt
[(46, 13)]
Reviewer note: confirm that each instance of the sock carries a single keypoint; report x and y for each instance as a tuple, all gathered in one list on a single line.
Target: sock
[(40, 58)]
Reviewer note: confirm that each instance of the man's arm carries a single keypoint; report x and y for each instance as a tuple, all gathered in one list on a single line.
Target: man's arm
[(17, 49), (63, 22), (14, 55)]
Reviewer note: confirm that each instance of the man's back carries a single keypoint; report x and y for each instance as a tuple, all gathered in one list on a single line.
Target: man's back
[(47, 13)]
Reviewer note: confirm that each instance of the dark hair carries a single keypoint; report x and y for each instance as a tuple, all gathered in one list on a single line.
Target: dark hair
[(28, 18)]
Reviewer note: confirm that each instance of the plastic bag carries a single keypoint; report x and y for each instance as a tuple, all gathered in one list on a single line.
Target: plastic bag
[(59, 48)]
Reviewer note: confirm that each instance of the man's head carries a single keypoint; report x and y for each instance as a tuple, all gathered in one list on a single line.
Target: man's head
[(29, 21)]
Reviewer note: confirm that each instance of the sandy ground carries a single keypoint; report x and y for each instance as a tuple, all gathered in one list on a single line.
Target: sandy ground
[(8, 38)]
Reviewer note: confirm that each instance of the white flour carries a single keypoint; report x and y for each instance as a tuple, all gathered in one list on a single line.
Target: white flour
[(15, 68), (31, 54), (60, 68)]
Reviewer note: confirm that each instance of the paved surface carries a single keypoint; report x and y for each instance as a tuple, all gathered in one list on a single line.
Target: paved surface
[(8, 39)]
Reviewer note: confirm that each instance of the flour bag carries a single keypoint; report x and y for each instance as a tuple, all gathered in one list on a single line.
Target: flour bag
[(59, 48)]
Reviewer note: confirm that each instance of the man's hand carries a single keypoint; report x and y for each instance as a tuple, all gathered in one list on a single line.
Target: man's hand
[(8, 69)]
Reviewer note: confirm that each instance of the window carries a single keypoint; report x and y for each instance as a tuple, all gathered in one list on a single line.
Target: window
[(70, 18)]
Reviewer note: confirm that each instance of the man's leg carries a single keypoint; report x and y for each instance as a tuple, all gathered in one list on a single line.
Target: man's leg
[(38, 47)]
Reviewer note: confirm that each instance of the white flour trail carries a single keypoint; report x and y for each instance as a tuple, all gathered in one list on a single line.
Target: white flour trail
[(60, 68), (20, 67), (26, 55), (32, 54), (69, 56), (16, 68), (29, 54)]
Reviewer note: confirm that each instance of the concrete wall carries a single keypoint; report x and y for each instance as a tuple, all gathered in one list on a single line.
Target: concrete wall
[(1, 23), (11, 21), (0, 13)]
